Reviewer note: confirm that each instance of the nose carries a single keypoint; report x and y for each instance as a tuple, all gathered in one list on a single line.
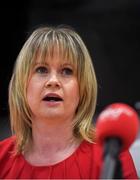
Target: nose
[(52, 81)]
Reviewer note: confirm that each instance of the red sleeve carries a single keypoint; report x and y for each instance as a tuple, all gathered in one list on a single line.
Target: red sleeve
[(6, 160), (128, 167)]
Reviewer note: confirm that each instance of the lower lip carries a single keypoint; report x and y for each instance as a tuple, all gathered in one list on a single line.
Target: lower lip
[(53, 103)]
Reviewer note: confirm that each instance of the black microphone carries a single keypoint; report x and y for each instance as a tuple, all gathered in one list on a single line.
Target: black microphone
[(117, 127)]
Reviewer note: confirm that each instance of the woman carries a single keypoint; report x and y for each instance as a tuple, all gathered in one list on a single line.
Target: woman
[(52, 99)]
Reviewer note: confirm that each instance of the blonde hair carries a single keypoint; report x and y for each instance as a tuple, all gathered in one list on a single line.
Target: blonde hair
[(70, 45)]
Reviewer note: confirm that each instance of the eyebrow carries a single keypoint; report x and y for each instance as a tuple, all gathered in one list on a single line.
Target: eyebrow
[(46, 64), (41, 63)]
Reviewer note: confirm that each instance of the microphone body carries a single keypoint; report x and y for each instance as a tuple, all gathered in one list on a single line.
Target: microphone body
[(117, 127), (111, 164)]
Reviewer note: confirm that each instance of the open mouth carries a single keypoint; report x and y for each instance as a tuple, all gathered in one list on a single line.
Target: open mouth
[(52, 99)]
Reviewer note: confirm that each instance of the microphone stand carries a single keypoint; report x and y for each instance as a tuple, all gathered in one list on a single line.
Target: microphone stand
[(112, 167)]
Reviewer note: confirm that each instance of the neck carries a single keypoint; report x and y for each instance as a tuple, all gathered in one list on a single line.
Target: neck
[(51, 143), (52, 135)]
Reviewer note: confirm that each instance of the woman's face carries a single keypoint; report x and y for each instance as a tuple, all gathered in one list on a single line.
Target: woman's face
[(53, 90)]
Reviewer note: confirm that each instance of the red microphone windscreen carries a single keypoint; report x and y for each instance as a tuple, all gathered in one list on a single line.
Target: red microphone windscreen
[(118, 120)]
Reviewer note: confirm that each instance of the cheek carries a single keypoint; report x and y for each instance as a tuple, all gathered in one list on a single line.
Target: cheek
[(74, 92), (30, 94), (32, 91)]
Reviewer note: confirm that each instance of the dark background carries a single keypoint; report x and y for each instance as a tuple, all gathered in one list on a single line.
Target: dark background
[(110, 29)]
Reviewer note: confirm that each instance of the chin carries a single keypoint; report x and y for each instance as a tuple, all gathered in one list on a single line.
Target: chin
[(54, 115)]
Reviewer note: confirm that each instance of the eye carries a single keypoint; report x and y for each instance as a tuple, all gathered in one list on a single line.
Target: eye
[(41, 70), (67, 71)]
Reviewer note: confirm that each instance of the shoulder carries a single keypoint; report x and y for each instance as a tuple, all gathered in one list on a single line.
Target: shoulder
[(92, 148), (90, 159), (8, 141), (92, 152), (7, 146), (7, 157)]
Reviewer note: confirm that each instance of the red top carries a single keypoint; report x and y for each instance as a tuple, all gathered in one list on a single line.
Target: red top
[(84, 163)]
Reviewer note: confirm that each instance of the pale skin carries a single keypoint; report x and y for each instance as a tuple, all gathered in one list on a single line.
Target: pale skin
[(52, 133)]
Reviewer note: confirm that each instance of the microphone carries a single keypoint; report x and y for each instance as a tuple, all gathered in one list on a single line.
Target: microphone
[(117, 127)]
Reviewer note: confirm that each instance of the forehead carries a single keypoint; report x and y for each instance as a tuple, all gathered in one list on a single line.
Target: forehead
[(56, 55), (54, 60)]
